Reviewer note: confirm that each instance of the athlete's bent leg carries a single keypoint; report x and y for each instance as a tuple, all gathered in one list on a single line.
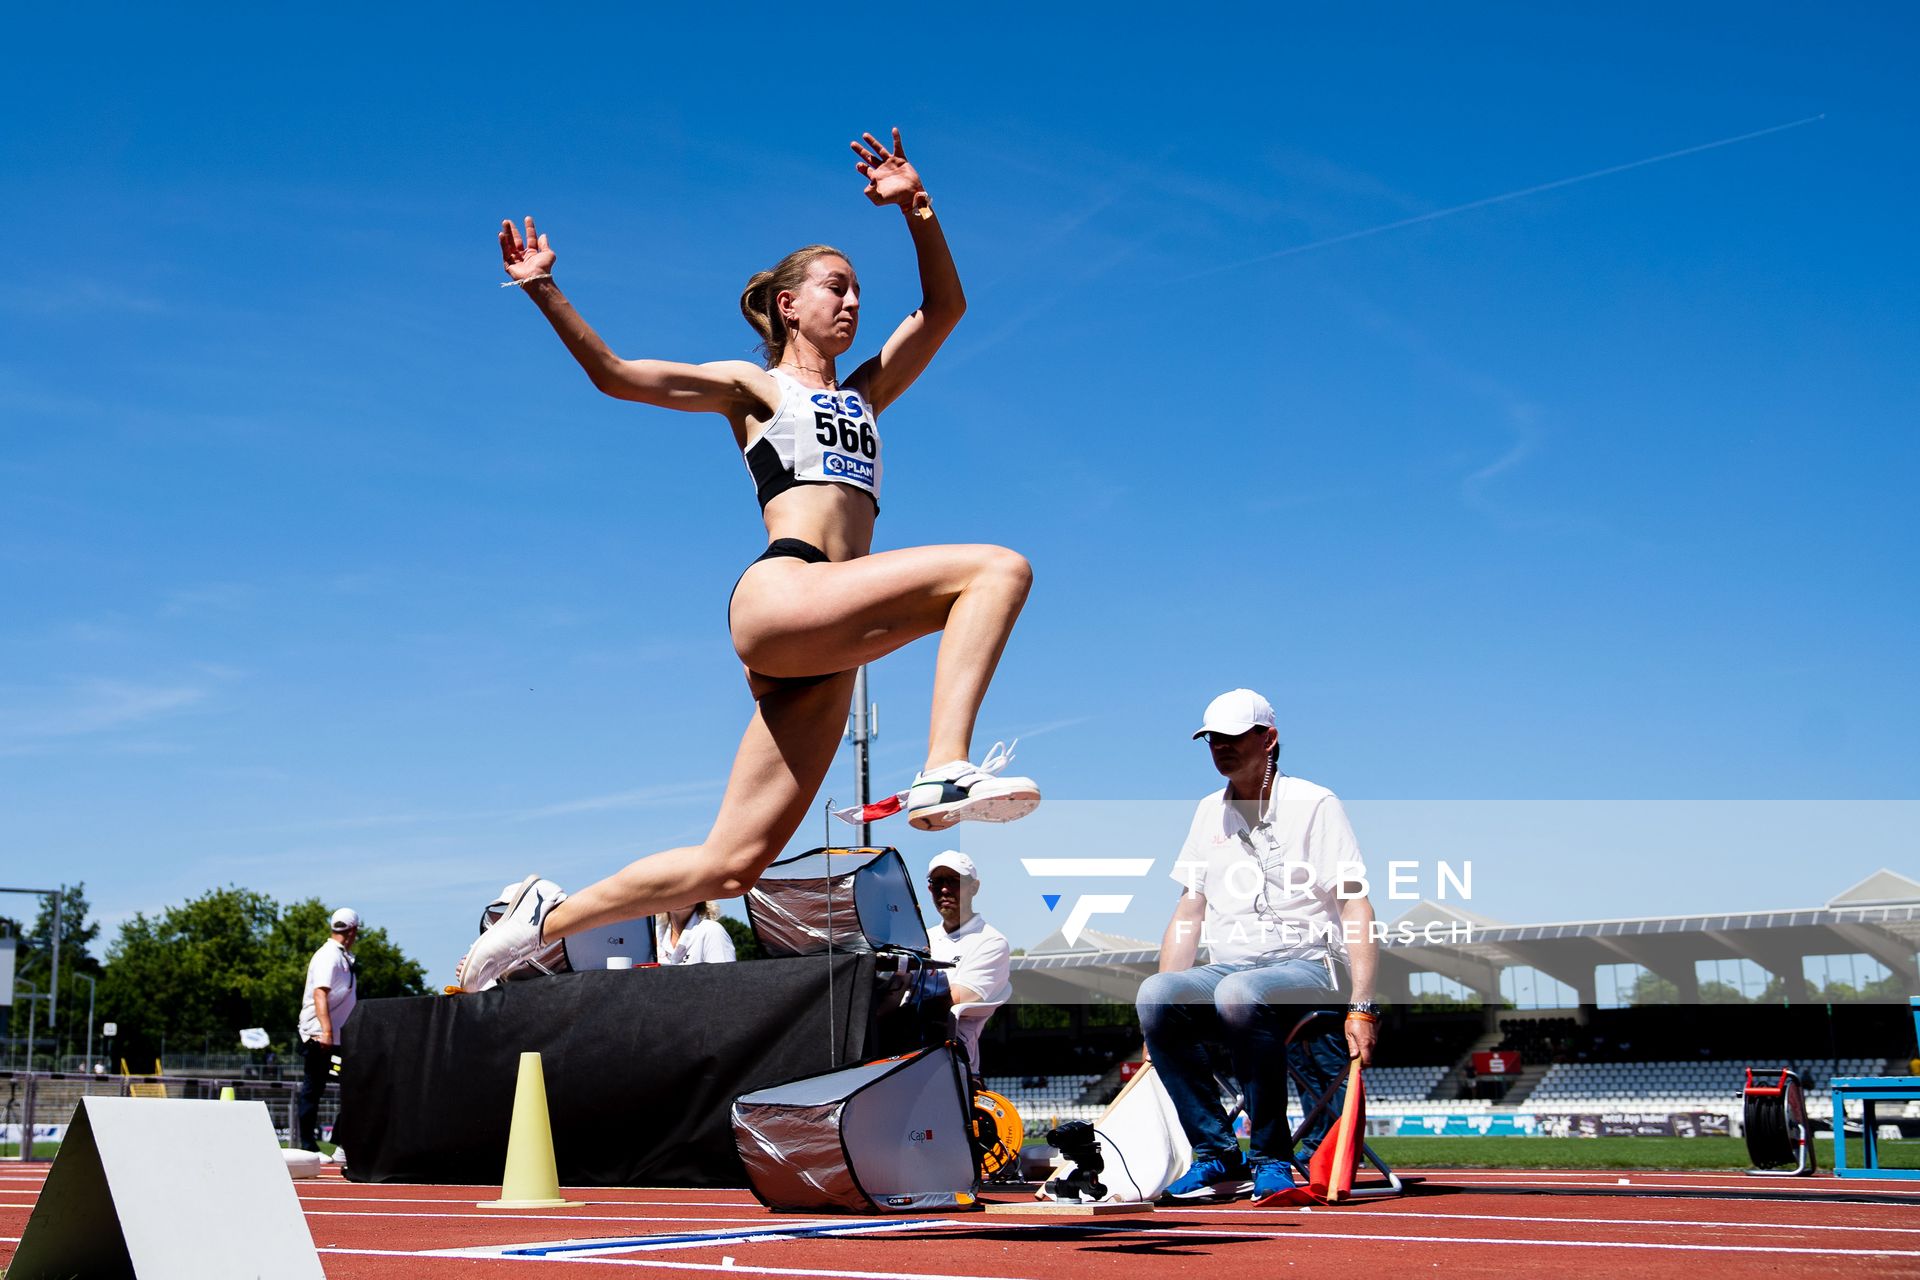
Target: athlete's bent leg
[(783, 758), (792, 618)]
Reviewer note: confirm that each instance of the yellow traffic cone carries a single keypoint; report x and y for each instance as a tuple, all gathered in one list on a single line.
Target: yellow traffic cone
[(532, 1180), (226, 1093)]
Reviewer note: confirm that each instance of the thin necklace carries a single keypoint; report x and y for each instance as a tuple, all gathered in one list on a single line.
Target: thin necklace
[(829, 378)]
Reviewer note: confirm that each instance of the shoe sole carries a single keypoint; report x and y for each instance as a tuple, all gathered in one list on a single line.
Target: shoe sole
[(1211, 1192), (1003, 808), (513, 904)]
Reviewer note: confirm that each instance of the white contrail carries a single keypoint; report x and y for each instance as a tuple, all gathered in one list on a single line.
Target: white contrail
[(1510, 195)]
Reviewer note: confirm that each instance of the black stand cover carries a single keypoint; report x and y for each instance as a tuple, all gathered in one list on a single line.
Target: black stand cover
[(642, 1067)]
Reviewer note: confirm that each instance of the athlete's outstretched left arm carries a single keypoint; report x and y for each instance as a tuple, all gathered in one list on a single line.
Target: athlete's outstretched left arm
[(891, 180)]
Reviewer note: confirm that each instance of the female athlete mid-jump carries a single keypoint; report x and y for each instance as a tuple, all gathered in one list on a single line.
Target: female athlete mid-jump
[(816, 604)]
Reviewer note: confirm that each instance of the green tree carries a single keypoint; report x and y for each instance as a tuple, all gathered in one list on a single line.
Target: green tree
[(33, 961), (745, 945), (229, 959), (1721, 993), (1651, 988)]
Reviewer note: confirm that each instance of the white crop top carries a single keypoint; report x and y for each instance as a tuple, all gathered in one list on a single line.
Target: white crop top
[(816, 437)]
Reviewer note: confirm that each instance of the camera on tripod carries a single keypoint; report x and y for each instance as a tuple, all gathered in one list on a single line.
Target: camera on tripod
[(1078, 1143)]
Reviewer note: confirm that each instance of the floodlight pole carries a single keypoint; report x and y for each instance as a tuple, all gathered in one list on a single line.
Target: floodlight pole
[(33, 994), (53, 983), (866, 721), (93, 988)]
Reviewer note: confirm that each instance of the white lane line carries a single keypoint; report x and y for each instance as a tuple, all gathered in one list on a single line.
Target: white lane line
[(1845, 1250), (1522, 1217), (1607, 1177), (336, 1190), (483, 1215), (479, 1191), (729, 1268), (1726, 1191), (602, 1246)]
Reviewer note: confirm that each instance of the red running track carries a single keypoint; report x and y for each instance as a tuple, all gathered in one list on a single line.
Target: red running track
[(1462, 1222)]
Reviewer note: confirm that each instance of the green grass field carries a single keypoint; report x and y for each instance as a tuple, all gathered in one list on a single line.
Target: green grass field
[(41, 1150), (1726, 1154), (1608, 1153), (1535, 1153)]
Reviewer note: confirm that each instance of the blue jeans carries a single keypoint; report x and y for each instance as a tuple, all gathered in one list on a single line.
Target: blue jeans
[(1247, 1010)]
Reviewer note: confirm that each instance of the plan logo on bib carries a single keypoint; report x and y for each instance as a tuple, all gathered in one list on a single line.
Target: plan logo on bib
[(839, 464)]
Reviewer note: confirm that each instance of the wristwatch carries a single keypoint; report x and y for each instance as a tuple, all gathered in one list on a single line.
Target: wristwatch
[(1364, 1006)]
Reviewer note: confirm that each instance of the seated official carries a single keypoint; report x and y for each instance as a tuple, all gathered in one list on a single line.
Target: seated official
[(692, 935), (981, 960), (1273, 883)]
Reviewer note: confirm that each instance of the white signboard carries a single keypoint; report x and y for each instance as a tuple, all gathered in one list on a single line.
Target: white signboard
[(6, 972), (110, 1029)]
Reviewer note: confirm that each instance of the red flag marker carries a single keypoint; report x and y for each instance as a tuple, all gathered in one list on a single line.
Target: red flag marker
[(1337, 1158)]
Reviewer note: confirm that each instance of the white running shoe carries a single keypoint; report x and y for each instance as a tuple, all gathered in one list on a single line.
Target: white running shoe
[(962, 792), (514, 937)]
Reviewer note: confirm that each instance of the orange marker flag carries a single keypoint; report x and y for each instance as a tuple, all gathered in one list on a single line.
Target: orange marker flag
[(1337, 1158)]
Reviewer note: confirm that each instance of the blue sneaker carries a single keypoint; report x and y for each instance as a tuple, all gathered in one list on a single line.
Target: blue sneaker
[(1210, 1178), (1273, 1184)]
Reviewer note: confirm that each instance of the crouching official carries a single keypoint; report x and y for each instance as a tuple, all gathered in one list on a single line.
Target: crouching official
[(1272, 882)]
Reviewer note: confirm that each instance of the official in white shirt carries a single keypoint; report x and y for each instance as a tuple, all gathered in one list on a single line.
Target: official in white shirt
[(981, 959), (692, 935), (326, 1000)]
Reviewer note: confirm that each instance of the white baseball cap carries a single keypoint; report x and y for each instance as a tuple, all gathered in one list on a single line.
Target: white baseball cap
[(346, 918), (1236, 711), (955, 861)]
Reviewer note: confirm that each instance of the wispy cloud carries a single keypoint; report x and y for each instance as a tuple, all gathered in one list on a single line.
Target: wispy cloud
[(1053, 726), (1502, 198), (80, 297), (660, 795), (637, 798), (91, 707), (1526, 440), (1518, 418), (208, 598)]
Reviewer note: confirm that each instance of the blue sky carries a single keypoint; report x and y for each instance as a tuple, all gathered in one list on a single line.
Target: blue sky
[(324, 571)]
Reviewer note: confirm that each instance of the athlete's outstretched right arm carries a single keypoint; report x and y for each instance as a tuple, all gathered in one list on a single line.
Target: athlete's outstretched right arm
[(731, 387)]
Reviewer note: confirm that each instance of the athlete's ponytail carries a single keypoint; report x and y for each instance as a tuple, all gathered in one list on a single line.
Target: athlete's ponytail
[(757, 300)]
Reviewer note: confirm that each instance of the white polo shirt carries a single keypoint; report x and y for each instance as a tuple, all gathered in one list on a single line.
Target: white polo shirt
[(332, 968), (982, 961), (701, 942), (1271, 889)]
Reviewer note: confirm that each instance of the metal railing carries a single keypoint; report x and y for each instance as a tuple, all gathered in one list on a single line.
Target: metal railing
[(31, 1099)]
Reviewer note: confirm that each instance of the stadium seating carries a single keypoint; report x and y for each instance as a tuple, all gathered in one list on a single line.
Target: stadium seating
[(1042, 1099), (1402, 1084), (1680, 1086)]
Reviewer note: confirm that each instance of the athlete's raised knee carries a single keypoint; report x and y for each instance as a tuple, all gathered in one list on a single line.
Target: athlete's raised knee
[(1007, 569)]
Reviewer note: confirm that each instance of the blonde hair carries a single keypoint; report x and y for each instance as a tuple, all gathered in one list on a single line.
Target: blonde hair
[(757, 299), (701, 911)]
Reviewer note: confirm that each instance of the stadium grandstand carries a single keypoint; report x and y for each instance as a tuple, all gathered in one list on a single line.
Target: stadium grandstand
[(1643, 1025)]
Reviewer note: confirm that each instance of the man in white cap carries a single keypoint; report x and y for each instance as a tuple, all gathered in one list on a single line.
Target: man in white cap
[(325, 1003), (977, 951), (1270, 879)]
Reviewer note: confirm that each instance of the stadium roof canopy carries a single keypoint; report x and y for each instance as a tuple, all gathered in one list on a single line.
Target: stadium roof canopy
[(1878, 917)]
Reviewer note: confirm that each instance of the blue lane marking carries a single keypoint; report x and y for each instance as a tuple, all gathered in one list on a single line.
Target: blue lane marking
[(717, 1237)]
